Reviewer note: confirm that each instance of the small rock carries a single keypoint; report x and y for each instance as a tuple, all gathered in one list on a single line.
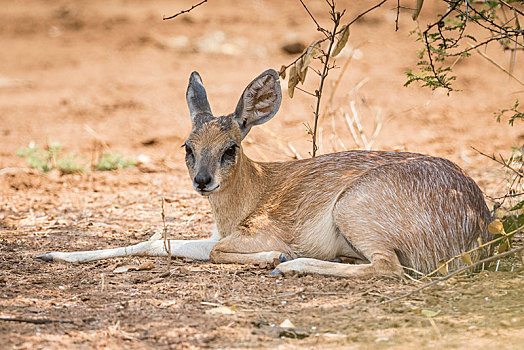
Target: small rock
[(287, 324), (294, 48)]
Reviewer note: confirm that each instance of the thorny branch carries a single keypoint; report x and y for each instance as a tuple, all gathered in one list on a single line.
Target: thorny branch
[(319, 28), (338, 32), (484, 18), (324, 58), (502, 162), (335, 16), (185, 11)]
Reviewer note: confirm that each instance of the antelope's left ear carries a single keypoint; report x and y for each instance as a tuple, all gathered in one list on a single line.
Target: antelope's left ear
[(259, 102)]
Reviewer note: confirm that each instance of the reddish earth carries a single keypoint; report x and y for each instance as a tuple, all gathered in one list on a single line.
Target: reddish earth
[(117, 68)]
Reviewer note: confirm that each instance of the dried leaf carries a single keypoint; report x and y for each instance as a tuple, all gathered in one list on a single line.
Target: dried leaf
[(429, 313), (221, 310), (503, 247), (292, 80), (443, 267), (312, 52), (496, 228), (301, 72), (121, 269), (146, 266), (417, 9), (342, 40), (125, 268), (282, 72), (466, 258)]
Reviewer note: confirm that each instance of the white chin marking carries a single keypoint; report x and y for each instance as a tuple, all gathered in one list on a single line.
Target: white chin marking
[(208, 192)]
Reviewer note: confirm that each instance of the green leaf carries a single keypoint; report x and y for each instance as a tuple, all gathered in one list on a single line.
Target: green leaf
[(518, 206), (429, 313), (513, 222)]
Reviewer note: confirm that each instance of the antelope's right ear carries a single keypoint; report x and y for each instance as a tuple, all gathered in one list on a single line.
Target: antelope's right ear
[(196, 98)]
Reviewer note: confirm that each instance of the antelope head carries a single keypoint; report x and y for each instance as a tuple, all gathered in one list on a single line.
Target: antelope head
[(213, 149)]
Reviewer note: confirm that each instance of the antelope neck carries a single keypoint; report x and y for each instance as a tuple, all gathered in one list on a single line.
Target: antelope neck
[(239, 196)]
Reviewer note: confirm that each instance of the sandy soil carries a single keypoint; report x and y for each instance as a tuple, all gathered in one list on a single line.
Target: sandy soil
[(115, 67)]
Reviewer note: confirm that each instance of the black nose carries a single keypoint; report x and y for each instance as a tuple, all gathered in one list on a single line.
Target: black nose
[(202, 180)]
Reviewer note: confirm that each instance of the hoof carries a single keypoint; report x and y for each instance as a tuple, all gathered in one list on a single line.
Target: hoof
[(44, 257), (276, 272), (282, 257), (337, 260)]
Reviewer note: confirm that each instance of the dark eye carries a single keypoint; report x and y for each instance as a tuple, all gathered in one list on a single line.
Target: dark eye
[(189, 151), (229, 154)]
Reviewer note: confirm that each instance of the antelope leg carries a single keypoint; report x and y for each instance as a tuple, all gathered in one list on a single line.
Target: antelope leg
[(192, 249)]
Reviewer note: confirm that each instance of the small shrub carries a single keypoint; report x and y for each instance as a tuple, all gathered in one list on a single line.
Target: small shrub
[(70, 164), (48, 159), (113, 161)]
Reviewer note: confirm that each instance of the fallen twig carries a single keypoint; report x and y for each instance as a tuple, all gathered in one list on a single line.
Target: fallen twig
[(32, 320), (167, 242)]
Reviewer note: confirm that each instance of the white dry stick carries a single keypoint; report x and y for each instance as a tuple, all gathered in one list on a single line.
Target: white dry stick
[(334, 135), (97, 137), (378, 127), (359, 85), (298, 156), (349, 123), (359, 126)]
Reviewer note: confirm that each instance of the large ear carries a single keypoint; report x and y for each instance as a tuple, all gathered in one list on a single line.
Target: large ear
[(259, 102), (196, 98)]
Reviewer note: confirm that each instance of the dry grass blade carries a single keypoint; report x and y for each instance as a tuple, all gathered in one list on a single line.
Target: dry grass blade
[(360, 129), (349, 123), (97, 137), (432, 283), (447, 262), (498, 65)]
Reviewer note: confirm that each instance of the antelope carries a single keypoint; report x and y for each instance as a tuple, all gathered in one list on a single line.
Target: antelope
[(380, 210)]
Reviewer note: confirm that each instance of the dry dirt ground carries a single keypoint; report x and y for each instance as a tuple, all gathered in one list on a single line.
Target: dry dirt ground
[(117, 68)]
